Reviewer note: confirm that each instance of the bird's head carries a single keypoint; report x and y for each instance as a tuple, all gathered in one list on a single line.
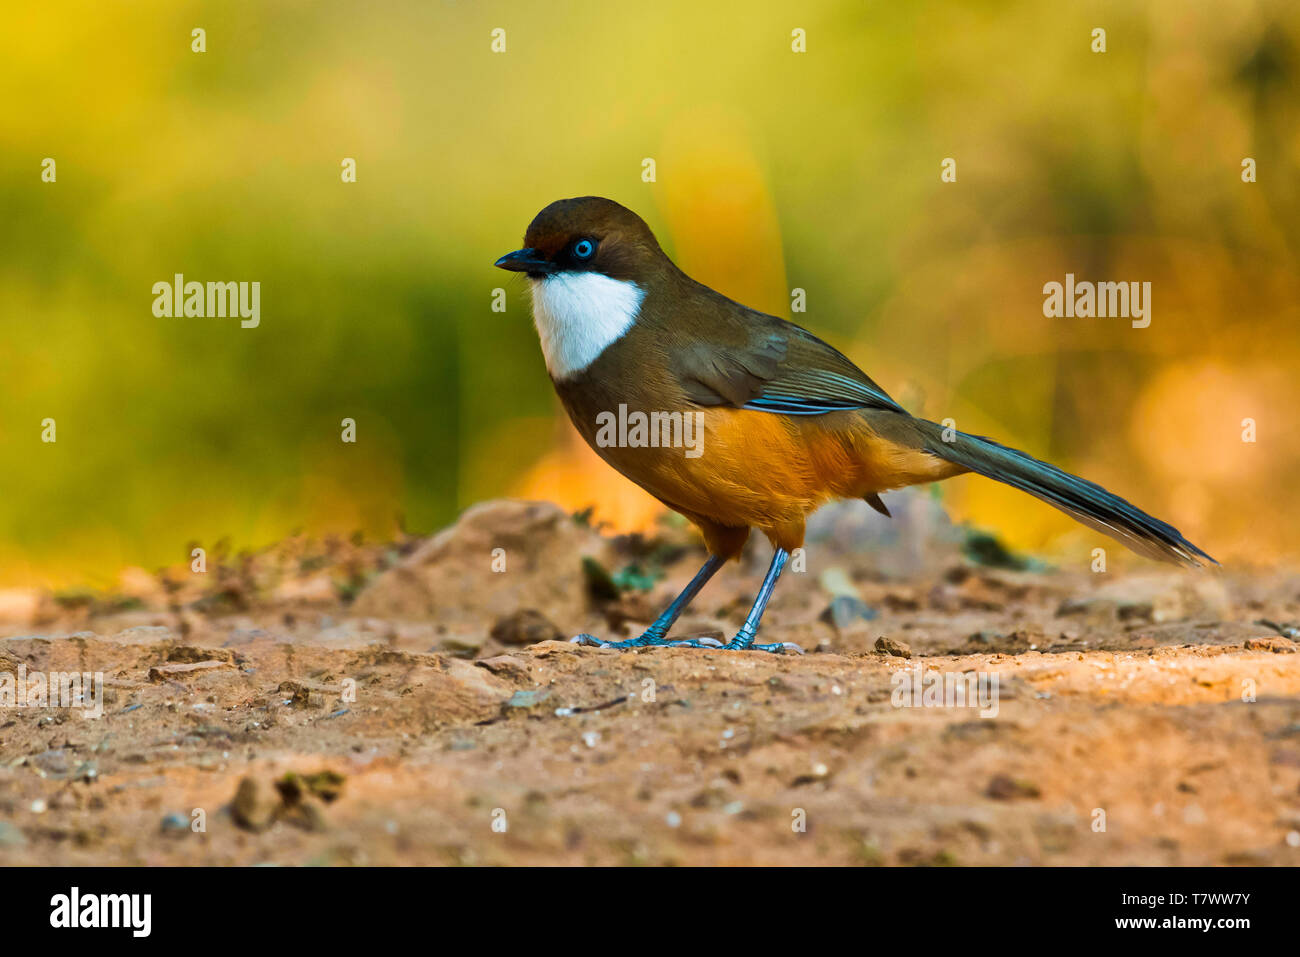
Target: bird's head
[(588, 234), (591, 264)]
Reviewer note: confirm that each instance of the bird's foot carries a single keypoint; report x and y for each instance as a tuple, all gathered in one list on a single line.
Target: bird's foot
[(775, 647), (647, 640), (743, 642), (658, 641)]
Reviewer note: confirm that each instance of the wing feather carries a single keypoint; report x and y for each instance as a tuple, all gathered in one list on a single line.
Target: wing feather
[(771, 365)]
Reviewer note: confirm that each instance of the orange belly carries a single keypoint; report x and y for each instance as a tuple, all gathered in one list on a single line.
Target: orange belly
[(768, 471)]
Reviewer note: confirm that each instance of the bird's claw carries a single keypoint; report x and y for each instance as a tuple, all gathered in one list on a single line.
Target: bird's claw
[(646, 641), (780, 648), (694, 643), (777, 648)]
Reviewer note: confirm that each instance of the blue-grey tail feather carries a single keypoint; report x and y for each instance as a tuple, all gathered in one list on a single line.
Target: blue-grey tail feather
[(1084, 501)]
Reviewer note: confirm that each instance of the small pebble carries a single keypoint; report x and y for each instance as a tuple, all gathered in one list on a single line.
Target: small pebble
[(892, 646)]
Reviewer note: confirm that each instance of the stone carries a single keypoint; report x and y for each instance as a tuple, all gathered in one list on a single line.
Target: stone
[(252, 807), (173, 672), (892, 646), (1279, 646), (525, 627), (846, 610), (499, 557)]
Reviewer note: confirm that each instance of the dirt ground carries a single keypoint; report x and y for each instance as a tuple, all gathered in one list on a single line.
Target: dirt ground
[(418, 703)]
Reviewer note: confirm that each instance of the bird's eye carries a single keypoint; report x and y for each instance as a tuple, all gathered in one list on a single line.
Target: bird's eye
[(584, 249)]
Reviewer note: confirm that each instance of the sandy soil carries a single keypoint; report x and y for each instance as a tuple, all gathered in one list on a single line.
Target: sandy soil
[(345, 703)]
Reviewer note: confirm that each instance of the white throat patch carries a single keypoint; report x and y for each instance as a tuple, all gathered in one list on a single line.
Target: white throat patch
[(579, 314)]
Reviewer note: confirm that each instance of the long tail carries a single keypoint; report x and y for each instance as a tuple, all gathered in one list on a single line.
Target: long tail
[(1082, 500)]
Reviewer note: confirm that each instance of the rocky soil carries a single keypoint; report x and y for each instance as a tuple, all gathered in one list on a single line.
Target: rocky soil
[(417, 703)]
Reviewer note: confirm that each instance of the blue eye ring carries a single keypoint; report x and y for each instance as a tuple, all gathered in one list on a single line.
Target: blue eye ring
[(584, 249)]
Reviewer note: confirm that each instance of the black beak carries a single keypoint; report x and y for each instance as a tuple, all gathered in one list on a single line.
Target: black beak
[(525, 260)]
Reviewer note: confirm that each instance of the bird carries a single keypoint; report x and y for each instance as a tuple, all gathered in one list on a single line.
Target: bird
[(787, 422)]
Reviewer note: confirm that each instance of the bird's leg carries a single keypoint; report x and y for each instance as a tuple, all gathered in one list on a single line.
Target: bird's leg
[(658, 629), (657, 633), (744, 639)]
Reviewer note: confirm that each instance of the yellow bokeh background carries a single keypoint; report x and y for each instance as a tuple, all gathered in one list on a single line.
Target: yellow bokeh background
[(774, 170)]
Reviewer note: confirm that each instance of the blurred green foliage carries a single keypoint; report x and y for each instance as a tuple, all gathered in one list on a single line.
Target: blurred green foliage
[(774, 169)]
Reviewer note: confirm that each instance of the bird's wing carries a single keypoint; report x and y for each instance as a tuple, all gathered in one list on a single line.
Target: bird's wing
[(771, 365)]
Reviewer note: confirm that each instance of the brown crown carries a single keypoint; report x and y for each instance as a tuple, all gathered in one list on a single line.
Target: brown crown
[(588, 217)]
